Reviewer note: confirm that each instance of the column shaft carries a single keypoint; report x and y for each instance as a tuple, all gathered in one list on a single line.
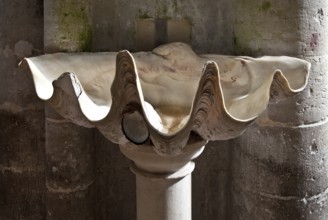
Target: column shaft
[(164, 197), (163, 182), (280, 163)]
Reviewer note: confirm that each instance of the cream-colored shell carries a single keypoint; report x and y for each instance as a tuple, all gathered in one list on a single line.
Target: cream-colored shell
[(165, 95)]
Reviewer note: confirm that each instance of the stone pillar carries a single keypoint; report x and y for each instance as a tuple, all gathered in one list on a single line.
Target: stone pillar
[(22, 190), (280, 164), (163, 182), (70, 151), (162, 196)]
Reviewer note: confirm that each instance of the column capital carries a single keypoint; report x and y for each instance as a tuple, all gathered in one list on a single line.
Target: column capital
[(145, 159)]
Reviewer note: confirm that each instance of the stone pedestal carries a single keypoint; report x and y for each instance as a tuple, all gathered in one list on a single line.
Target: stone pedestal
[(164, 196), (163, 182)]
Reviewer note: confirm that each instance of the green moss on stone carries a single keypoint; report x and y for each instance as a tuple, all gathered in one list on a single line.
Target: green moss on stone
[(86, 40), (143, 14), (74, 26), (162, 11), (175, 6), (265, 6), (165, 10), (241, 48)]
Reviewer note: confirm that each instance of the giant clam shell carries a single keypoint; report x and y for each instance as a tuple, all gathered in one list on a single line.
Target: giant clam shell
[(167, 96)]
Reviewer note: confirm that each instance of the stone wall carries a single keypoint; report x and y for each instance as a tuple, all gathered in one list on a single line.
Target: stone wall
[(22, 158)]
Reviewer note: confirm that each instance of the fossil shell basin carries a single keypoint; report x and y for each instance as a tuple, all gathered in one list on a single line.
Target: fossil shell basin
[(168, 96)]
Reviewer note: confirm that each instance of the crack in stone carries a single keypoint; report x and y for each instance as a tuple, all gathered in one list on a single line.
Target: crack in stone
[(318, 198), (58, 121), (14, 108), (62, 190), (277, 197), (10, 169), (18, 170), (266, 122)]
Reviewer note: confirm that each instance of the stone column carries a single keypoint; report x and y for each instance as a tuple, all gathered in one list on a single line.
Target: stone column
[(70, 151), (164, 196), (280, 164), (163, 182)]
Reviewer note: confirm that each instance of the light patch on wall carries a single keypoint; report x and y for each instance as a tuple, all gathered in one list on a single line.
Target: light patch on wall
[(178, 30), (151, 33), (145, 34)]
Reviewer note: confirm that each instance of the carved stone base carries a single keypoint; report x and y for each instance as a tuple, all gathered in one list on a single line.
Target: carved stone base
[(164, 197), (163, 182)]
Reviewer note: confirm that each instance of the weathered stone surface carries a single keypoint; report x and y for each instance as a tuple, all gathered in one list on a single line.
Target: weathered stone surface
[(279, 168), (67, 25), (22, 167), (69, 148), (69, 169), (22, 189), (211, 182), (114, 184), (285, 178), (114, 23), (70, 204), (259, 27)]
